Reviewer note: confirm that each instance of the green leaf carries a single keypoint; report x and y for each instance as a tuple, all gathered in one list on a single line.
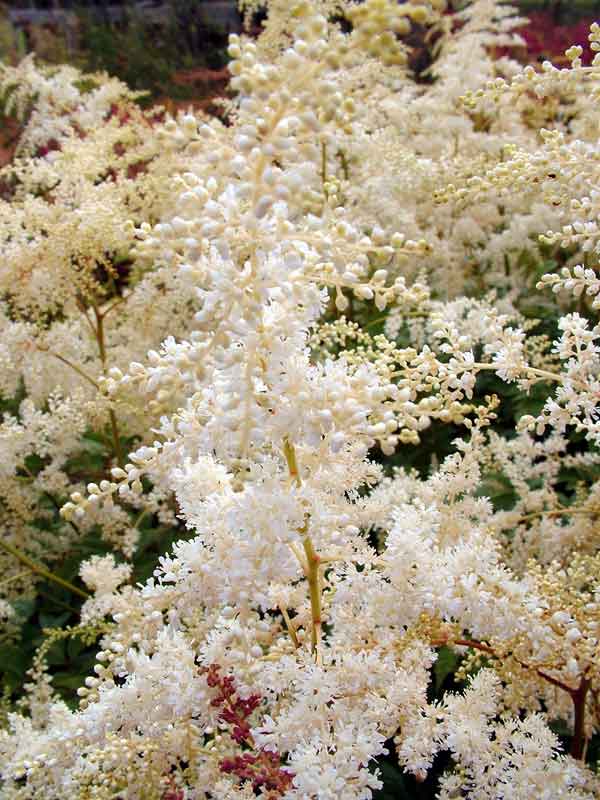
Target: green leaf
[(57, 653), (94, 443), (24, 607), (48, 620), (34, 463), (395, 784), (499, 489), (14, 661), (75, 646), (88, 463), (446, 664), (66, 680), (85, 661)]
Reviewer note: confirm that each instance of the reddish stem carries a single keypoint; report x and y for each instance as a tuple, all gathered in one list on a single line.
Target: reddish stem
[(579, 697)]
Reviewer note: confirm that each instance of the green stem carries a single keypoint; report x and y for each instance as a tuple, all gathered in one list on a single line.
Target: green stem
[(289, 452), (77, 369), (13, 578), (100, 335), (116, 439), (314, 587), (344, 163), (57, 506), (324, 165), (288, 624), (543, 374), (140, 517), (557, 512), (42, 571), (112, 306), (311, 564)]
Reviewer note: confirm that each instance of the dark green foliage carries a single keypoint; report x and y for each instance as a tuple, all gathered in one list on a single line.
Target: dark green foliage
[(70, 660), (147, 53)]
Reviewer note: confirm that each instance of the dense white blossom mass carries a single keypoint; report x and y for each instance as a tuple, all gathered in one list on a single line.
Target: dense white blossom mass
[(191, 288)]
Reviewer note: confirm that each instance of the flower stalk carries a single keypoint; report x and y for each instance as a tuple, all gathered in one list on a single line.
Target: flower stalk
[(38, 569), (309, 561), (114, 428)]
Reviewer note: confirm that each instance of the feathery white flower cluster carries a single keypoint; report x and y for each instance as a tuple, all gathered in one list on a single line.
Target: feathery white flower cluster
[(287, 645)]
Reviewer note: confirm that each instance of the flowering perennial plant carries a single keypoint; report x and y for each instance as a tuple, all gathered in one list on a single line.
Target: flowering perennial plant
[(297, 341)]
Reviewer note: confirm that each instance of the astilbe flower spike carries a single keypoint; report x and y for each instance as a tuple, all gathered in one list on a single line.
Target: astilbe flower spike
[(262, 768), (315, 587)]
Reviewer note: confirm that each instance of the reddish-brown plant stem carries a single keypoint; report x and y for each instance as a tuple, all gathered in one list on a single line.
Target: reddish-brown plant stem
[(578, 695), (485, 648)]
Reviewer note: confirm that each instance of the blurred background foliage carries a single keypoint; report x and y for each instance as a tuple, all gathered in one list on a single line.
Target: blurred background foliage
[(176, 49)]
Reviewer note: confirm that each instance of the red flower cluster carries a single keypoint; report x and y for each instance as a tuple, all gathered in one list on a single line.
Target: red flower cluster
[(174, 794), (235, 710), (50, 147), (261, 768)]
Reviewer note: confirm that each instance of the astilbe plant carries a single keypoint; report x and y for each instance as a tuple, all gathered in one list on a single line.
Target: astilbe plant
[(74, 305), (334, 276)]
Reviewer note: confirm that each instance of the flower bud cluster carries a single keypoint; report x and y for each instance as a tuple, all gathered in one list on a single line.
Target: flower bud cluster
[(377, 23), (322, 580)]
